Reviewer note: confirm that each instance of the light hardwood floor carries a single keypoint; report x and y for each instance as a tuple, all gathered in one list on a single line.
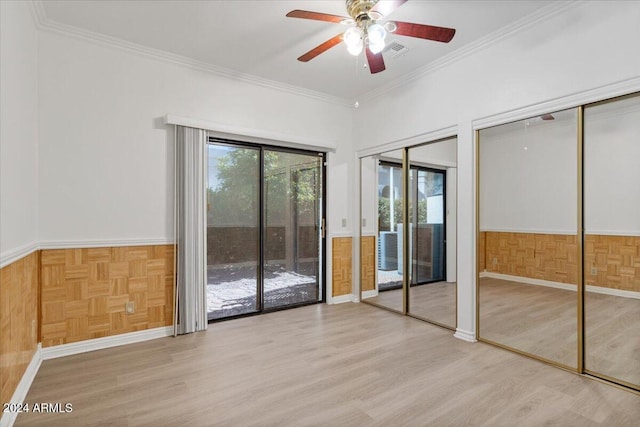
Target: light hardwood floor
[(535, 319), (340, 365), (612, 336), (543, 321), (433, 301)]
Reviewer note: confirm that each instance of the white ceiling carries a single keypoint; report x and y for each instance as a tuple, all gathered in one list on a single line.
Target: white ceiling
[(253, 37)]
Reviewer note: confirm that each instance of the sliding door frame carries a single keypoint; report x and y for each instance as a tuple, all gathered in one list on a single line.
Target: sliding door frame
[(443, 172), (418, 168), (322, 247)]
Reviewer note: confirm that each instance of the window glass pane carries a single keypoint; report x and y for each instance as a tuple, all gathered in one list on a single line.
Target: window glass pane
[(233, 203), (293, 189)]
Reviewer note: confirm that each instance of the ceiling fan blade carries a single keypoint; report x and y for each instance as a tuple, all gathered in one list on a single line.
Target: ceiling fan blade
[(385, 7), (429, 32), (316, 16), (547, 117), (321, 48), (376, 62)]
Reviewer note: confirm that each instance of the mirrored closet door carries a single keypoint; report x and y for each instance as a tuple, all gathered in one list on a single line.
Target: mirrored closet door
[(612, 240), (432, 243), (416, 277), (528, 243), (380, 240)]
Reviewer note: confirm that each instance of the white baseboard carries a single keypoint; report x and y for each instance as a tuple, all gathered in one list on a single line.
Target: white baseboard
[(105, 342), (20, 394), (465, 335), (565, 286), (370, 294), (529, 281), (341, 299), (614, 292), (9, 418)]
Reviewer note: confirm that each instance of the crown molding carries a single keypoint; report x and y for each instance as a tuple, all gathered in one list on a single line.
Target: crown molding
[(545, 13), (43, 23)]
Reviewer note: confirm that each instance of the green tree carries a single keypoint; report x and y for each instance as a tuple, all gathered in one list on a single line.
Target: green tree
[(289, 180)]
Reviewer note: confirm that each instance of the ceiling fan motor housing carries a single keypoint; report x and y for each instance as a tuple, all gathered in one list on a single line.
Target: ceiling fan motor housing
[(360, 10)]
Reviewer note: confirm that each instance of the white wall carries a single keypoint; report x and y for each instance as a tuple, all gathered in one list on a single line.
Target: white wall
[(612, 169), (18, 130), (369, 194), (105, 156), (590, 45), (528, 177)]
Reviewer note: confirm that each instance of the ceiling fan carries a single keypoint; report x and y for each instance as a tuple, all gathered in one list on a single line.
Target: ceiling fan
[(365, 32)]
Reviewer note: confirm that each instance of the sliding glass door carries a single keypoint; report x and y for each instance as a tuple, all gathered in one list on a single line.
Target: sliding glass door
[(264, 217), (427, 232), (233, 230), (293, 201)]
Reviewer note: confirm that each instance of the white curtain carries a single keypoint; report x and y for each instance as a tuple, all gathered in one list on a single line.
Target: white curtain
[(191, 228)]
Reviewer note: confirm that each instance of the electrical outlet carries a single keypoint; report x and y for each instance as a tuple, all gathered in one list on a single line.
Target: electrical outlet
[(129, 307), (364, 222), (344, 222), (594, 271), (495, 261)]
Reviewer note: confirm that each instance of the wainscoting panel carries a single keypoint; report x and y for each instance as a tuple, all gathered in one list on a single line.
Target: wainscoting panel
[(368, 263), (84, 291), (482, 263), (609, 261), (18, 321), (551, 257), (341, 266), (613, 260)]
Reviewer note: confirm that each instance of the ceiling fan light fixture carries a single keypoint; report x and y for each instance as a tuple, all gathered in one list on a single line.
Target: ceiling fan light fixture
[(376, 48), (353, 40), (356, 49), (376, 34), (390, 26)]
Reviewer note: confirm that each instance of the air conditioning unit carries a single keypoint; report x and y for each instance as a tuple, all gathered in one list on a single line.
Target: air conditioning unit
[(388, 250)]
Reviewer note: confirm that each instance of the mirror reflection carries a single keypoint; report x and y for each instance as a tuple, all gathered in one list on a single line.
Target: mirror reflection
[(381, 244), (432, 216), (612, 240), (527, 251)]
